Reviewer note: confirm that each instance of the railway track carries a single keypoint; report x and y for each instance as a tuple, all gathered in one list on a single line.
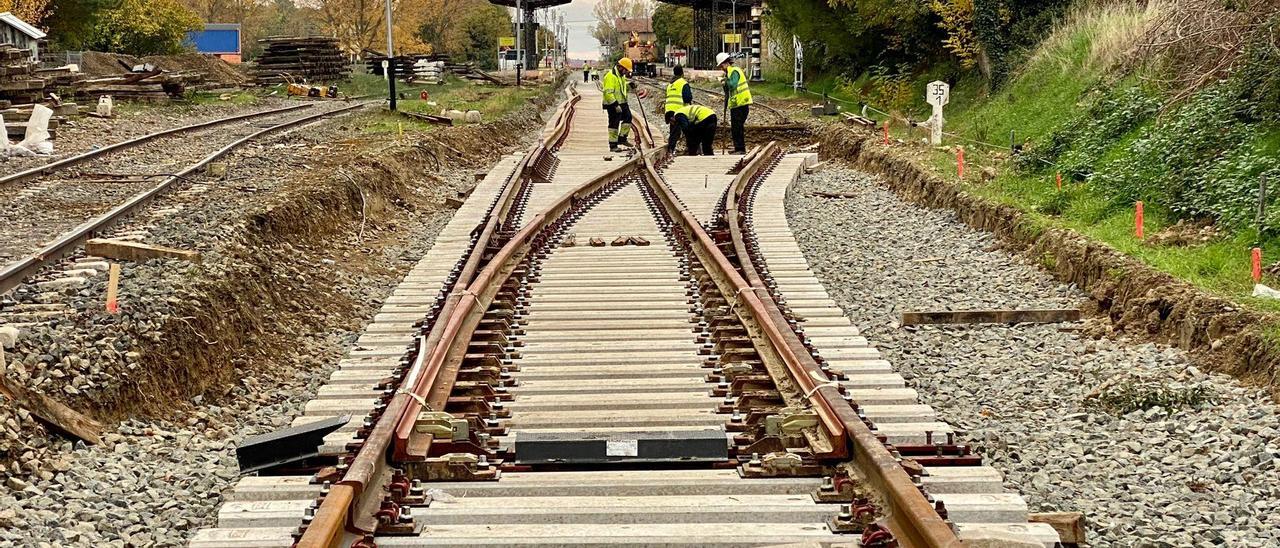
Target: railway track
[(51, 209), (612, 350)]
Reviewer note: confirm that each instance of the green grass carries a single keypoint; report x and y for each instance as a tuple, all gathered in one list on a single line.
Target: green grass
[(1046, 94), (493, 102)]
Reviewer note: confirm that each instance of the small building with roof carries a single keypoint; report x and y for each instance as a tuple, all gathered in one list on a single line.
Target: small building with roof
[(21, 34)]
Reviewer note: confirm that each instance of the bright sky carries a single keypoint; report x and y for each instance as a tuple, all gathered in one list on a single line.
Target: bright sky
[(578, 17)]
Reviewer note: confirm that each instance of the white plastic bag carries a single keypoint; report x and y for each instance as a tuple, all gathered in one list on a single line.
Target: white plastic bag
[(1265, 292), (37, 137), (6, 147)]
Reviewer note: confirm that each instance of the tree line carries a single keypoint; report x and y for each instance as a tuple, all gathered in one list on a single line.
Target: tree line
[(465, 29)]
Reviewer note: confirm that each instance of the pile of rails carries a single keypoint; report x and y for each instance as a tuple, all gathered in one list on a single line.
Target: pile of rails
[(414, 69), (469, 71), (19, 82), (23, 84), (146, 83), (300, 59)]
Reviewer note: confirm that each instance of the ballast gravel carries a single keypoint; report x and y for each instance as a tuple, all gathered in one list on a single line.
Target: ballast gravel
[(1026, 395), (154, 482)]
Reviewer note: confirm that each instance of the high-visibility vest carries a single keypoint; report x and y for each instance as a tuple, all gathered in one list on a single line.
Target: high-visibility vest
[(614, 87), (742, 93), (675, 95), (695, 113)]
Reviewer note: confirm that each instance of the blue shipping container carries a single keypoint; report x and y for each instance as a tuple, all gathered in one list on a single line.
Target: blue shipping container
[(221, 38)]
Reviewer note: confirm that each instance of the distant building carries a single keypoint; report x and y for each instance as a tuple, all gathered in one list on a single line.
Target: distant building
[(220, 39), (676, 55), (22, 35), (634, 28)]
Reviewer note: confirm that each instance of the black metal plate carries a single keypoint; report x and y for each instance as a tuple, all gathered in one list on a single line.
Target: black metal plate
[(287, 445), (710, 445)]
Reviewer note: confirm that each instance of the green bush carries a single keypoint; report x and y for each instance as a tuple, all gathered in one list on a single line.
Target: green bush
[(1201, 159)]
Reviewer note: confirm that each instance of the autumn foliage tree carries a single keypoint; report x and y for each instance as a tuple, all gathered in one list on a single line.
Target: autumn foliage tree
[(143, 27), (31, 11), (673, 24), (359, 24)]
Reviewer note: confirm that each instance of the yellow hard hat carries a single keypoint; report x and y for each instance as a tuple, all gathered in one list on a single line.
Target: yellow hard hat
[(625, 63)]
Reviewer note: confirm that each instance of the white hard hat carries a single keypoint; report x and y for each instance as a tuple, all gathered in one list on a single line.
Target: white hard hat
[(721, 58)]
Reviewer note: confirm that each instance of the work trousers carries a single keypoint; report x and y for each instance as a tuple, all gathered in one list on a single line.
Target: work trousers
[(586, 76), (701, 136), (619, 122), (738, 128)]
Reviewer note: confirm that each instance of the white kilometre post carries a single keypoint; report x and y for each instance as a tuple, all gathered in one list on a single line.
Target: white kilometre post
[(797, 81), (937, 94)]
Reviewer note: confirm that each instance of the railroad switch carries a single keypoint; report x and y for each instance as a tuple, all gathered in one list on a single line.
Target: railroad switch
[(790, 422), (779, 464), (454, 467), (441, 425)]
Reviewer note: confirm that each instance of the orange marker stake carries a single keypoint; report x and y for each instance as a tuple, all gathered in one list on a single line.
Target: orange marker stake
[(1137, 220), (960, 162), (113, 289), (886, 132), (1256, 254), (1059, 181)]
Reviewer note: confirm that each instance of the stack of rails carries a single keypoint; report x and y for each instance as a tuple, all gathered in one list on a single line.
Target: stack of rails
[(295, 59), (153, 86), (18, 80)]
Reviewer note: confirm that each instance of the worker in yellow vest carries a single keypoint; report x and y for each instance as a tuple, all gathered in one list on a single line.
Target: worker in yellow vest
[(615, 89), (737, 98), (698, 123), (679, 92)]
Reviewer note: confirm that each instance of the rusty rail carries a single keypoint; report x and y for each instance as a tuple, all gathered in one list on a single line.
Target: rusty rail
[(29, 174), (910, 516), (350, 503), (431, 377), (13, 274)]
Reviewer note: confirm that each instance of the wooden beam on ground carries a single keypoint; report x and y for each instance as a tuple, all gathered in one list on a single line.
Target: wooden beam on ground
[(58, 416), (1069, 525), (825, 194), (1052, 315), (122, 250)]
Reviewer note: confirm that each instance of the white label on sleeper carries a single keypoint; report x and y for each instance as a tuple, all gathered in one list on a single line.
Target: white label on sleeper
[(621, 448)]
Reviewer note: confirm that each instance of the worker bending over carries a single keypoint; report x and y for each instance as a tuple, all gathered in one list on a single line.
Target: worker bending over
[(698, 123), (679, 92), (615, 88), (737, 97)]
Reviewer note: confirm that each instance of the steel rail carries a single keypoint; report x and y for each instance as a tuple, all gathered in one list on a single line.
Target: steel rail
[(350, 503), (29, 174), (909, 515), (13, 274)]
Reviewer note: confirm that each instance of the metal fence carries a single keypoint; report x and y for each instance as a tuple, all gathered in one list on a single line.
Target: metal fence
[(52, 59)]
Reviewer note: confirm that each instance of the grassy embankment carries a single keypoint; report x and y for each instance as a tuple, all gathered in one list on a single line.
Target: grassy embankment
[(493, 102), (1104, 131)]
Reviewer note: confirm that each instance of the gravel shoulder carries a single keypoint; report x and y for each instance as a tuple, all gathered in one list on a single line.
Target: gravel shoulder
[(301, 240), (1075, 423)]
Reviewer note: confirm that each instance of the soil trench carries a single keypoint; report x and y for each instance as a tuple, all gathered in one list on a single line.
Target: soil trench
[(301, 240)]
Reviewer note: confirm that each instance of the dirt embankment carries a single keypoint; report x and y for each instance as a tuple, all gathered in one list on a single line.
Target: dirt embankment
[(98, 64), (1137, 299), (276, 286)]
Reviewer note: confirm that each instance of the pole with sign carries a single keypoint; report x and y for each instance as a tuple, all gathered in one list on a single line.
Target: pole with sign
[(389, 66), (937, 93)]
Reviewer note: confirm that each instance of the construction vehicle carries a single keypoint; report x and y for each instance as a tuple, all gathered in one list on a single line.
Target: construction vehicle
[(644, 56)]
